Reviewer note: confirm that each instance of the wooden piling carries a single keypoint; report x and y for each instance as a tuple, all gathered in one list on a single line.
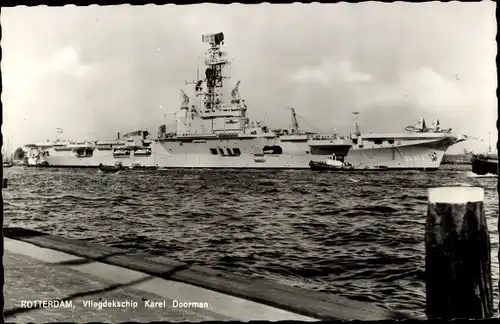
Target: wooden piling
[(458, 255)]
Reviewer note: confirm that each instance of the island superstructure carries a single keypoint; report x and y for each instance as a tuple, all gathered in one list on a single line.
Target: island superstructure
[(218, 133)]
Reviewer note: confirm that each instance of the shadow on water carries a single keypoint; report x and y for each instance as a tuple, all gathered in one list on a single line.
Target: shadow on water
[(359, 235)]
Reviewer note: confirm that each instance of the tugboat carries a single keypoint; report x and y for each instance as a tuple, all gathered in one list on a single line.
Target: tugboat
[(331, 164), (485, 163), (110, 168)]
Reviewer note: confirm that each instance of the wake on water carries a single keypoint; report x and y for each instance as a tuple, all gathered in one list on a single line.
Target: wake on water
[(99, 171), (471, 174)]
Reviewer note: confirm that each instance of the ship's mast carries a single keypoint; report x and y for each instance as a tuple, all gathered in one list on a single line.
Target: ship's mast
[(356, 116), (489, 142), (215, 61)]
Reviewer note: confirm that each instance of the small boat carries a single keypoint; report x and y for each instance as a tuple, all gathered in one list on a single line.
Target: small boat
[(110, 168), (331, 164), (484, 164), (138, 166), (43, 164)]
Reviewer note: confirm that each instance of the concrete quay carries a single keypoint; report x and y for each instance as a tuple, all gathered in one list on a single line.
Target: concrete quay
[(52, 279)]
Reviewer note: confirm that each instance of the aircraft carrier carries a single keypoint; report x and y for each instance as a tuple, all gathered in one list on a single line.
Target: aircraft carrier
[(217, 133)]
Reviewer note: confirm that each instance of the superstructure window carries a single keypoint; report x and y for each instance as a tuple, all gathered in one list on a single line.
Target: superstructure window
[(391, 141), (237, 151), (378, 141), (213, 151), (221, 151), (229, 151)]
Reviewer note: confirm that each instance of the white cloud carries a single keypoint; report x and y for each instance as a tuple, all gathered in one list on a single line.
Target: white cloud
[(311, 74), (423, 88), (431, 89), (350, 74), (331, 71), (67, 61)]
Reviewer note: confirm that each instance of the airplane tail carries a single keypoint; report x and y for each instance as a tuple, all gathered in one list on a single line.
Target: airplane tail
[(436, 125), (421, 124)]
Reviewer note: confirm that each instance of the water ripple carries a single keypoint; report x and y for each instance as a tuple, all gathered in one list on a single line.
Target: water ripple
[(360, 236)]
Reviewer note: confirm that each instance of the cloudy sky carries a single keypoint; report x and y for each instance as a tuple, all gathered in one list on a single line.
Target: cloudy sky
[(95, 71)]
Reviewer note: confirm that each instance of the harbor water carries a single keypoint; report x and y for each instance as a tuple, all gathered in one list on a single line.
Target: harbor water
[(356, 235)]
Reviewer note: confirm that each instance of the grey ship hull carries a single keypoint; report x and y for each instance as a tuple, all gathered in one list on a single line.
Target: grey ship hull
[(424, 153), (192, 153), (213, 153)]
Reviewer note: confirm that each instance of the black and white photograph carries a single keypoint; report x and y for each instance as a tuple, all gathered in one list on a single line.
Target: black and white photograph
[(239, 162)]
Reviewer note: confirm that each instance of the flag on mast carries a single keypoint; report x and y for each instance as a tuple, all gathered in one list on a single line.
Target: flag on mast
[(59, 130)]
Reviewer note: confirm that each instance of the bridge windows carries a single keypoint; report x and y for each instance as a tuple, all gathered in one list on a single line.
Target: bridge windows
[(237, 151), (221, 151), (391, 141), (213, 151), (229, 152), (378, 141)]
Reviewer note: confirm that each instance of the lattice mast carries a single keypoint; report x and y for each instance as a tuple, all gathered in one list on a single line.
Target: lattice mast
[(215, 61)]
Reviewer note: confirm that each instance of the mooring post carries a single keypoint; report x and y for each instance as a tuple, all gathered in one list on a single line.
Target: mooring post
[(458, 255)]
